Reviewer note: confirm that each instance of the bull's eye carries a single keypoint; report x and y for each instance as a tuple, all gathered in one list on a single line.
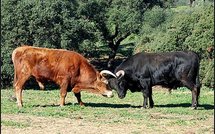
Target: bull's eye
[(104, 80), (99, 84), (101, 77)]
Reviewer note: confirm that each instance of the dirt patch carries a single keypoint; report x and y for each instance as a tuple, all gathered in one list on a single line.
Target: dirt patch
[(48, 125)]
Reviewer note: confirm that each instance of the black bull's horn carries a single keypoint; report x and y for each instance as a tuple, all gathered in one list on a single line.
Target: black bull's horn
[(120, 73)]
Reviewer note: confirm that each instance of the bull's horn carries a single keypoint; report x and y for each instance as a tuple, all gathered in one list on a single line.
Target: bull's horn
[(107, 72), (120, 73)]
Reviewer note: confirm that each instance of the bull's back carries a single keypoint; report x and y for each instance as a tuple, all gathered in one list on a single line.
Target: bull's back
[(140, 60), (156, 65), (35, 55), (44, 63), (18, 52)]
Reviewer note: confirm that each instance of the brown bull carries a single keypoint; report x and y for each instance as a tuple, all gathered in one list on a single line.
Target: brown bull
[(68, 69)]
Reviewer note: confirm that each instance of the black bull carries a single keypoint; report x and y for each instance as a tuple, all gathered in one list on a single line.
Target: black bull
[(143, 70)]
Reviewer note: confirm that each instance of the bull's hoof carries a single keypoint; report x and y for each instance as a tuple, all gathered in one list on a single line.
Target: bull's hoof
[(62, 105), (194, 108), (146, 107), (143, 107), (151, 106), (81, 103), (20, 105)]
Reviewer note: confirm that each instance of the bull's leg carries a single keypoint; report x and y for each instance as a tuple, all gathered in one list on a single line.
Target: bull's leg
[(18, 86), (198, 93), (194, 91), (147, 92), (78, 96), (145, 100), (77, 93), (63, 93), (18, 92), (194, 98), (151, 102), (198, 86)]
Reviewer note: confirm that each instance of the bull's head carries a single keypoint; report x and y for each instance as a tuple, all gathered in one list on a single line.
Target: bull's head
[(101, 84), (118, 83)]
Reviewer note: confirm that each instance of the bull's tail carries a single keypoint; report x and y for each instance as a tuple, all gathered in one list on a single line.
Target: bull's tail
[(14, 65), (14, 78), (198, 87), (197, 82)]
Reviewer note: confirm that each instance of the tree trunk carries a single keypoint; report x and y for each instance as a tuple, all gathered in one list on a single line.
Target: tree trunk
[(114, 45), (112, 54)]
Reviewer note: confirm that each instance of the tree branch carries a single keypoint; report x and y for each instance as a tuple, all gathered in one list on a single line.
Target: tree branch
[(116, 32), (122, 38)]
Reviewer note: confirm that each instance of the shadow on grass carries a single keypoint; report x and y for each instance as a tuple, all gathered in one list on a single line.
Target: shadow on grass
[(47, 105), (92, 105), (110, 105), (205, 106)]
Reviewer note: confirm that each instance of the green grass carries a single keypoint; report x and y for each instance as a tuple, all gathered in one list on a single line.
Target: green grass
[(14, 124), (170, 109)]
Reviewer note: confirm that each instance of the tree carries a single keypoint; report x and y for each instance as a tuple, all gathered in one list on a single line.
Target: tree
[(190, 29), (78, 25), (52, 24), (115, 19)]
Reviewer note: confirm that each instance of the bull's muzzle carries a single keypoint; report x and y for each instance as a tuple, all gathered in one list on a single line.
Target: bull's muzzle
[(108, 94), (121, 96)]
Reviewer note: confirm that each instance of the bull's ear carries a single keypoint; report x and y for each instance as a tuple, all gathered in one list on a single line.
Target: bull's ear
[(104, 80)]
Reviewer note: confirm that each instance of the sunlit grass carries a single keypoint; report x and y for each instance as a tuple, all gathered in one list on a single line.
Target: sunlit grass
[(170, 109)]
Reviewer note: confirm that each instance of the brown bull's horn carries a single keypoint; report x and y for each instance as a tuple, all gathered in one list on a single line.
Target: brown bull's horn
[(120, 73), (107, 72)]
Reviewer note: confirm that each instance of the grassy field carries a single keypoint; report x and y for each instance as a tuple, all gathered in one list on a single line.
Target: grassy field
[(171, 114)]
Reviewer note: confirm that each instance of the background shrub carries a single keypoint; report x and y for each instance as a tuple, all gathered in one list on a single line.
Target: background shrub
[(207, 73), (190, 29)]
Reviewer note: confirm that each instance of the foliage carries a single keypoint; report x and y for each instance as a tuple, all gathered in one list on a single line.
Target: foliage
[(39, 23), (83, 26), (207, 73), (154, 17), (186, 30), (190, 29)]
